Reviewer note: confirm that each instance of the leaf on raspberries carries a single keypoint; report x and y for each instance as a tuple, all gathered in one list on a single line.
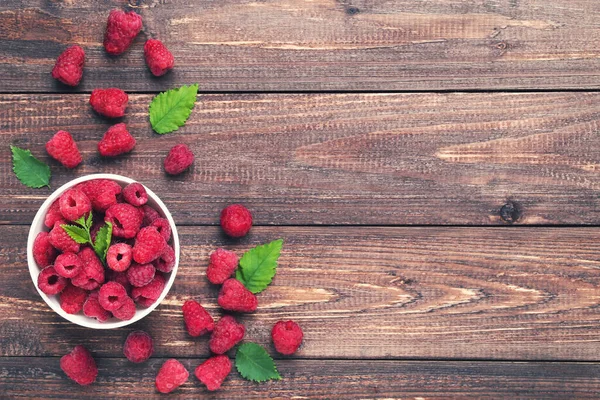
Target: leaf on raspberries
[(169, 110), (258, 266), (255, 364), (88, 221), (77, 233), (29, 170), (102, 242)]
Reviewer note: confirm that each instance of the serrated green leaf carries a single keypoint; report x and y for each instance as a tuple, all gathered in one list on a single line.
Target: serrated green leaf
[(88, 221), (77, 233), (102, 242), (29, 170), (255, 364), (169, 110), (258, 266)]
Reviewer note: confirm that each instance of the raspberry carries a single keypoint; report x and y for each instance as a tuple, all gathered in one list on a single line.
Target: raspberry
[(110, 102), (227, 333), (43, 252), (158, 58), (222, 265), (79, 365), (287, 337), (112, 296), (171, 375), (121, 29), (92, 274), (197, 320), (213, 371), (140, 274), (126, 311), (69, 66), (101, 192), (147, 295), (63, 149), (74, 204), (68, 265), (117, 140), (135, 194), (93, 309), (236, 220), (235, 297), (72, 299), (138, 346), (53, 215), (118, 257), (50, 282), (120, 277), (125, 219), (150, 215), (166, 261), (61, 240), (179, 159), (149, 245), (163, 227)]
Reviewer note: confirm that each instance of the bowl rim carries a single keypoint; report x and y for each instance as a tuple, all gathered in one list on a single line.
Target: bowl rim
[(34, 269)]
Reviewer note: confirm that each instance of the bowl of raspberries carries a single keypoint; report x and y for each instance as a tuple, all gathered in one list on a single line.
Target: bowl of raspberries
[(103, 251)]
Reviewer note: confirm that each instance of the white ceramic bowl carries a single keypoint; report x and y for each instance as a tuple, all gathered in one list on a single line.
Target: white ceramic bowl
[(38, 226)]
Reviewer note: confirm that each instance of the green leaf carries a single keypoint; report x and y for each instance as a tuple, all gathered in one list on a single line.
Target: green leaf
[(29, 170), (102, 242), (255, 364), (169, 110), (88, 221), (77, 233), (258, 266)]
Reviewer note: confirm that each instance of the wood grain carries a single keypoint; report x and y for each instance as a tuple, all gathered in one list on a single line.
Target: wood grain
[(375, 159), (282, 45)]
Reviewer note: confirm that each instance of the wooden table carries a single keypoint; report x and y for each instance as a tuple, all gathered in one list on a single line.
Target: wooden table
[(432, 167)]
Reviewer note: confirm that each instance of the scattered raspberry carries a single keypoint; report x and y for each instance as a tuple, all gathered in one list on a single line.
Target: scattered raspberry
[(61, 240), (158, 58), (112, 296), (101, 192), (149, 245), (150, 215), (171, 375), (166, 261), (68, 265), (118, 257), (126, 311), (117, 140), (50, 282), (79, 365), (72, 299), (138, 347), (287, 337), (92, 274), (227, 334), (110, 102), (74, 204), (63, 149), (69, 66), (223, 264), (197, 320), (147, 295), (43, 252), (179, 159), (140, 274), (163, 227), (235, 297), (53, 215), (93, 309), (125, 219), (213, 371), (135, 194), (236, 220), (121, 29)]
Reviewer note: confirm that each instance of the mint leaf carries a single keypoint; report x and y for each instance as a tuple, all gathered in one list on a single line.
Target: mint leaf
[(77, 233), (29, 170), (258, 266), (255, 364), (103, 240), (169, 110)]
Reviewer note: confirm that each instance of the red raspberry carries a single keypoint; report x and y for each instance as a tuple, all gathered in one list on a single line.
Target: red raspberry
[(121, 29), (287, 337), (126, 311), (118, 257), (61, 240), (43, 252), (158, 58), (125, 219), (171, 375), (135, 194), (227, 334), (147, 295), (69, 66), (53, 215), (163, 227), (197, 320), (50, 282), (140, 274), (93, 309), (74, 204), (149, 245), (138, 347), (79, 365), (213, 371), (166, 261), (117, 140), (101, 192), (92, 274), (236, 220), (120, 277), (150, 215), (72, 299), (235, 297), (112, 296), (63, 149), (68, 265), (223, 264), (110, 102), (178, 160)]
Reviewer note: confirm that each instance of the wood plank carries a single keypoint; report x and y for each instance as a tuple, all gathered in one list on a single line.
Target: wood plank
[(340, 158), (475, 293), (279, 45)]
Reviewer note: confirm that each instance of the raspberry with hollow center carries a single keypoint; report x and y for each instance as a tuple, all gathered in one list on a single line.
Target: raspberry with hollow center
[(79, 365), (171, 375), (112, 296), (125, 219), (235, 297), (69, 66), (63, 149), (166, 261), (227, 333), (140, 274), (287, 337), (74, 204), (110, 102), (163, 227), (135, 194), (236, 220), (43, 252), (50, 282), (223, 264), (68, 265), (213, 371), (118, 257), (197, 320), (138, 346)]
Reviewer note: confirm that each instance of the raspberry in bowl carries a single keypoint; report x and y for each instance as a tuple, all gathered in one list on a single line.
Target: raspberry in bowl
[(103, 251)]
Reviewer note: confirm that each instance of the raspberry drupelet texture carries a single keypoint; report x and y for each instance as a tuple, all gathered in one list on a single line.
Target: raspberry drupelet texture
[(93, 309), (50, 282), (92, 273), (138, 347), (235, 297), (197, 320), (158, 58), (74, 204), (179, 159), (166, 261), (79, 365), (44, 253), (125, 219), (171, 375), (149, 245), (150, 215), (69, 66), (119, 256), (227, 333), (112, 296), (101, 192), (68, 265), (140, 274), (147, 295), (120, 277), (213, 371), (117, 140), (72, 299), (135, 194), (121, 29), (126, 311), (223, 264), (63, 149), (163, 227), (110, 102), (61, 240), (287, 337), (236, 220), (53, 215)]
